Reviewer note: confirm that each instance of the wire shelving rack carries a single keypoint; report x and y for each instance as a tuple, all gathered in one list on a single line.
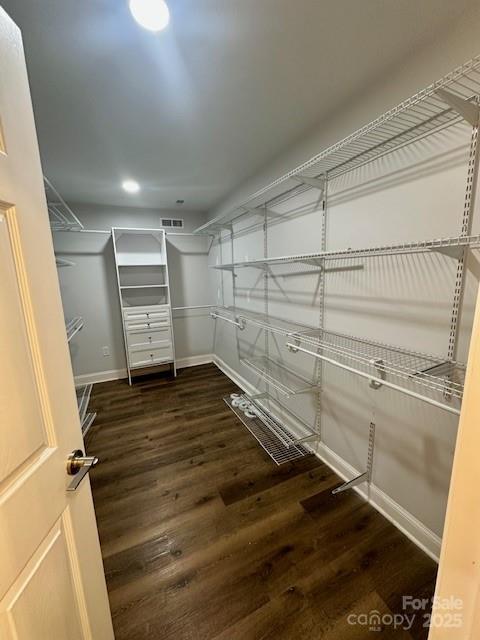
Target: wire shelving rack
[(452, 101), (452, 247), (431, 110), (278, 375)]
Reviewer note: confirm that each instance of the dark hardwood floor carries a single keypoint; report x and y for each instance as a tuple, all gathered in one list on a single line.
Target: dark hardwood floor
[(204, 538)]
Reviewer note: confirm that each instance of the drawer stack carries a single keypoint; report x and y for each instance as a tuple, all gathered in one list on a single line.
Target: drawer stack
[(148, 334)]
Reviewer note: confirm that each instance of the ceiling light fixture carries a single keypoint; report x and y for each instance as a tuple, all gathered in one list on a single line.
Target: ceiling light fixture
[(130, 186), (150, 14)]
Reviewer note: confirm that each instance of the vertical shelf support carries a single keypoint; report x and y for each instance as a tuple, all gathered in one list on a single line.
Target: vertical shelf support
[(469, 202), (367, 475)]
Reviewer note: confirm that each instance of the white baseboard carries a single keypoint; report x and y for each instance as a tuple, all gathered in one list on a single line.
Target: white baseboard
[(101, 376), (194, 361), (421, 535), (119, 374)]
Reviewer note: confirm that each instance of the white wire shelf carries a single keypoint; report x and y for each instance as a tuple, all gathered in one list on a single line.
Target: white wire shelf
[(73, 326), (83, 398), (449, 246), (243, 317), (87, 423), (61, 262), (427, 377), (426, 112), (60, 214), (269, 432), (279, 376)]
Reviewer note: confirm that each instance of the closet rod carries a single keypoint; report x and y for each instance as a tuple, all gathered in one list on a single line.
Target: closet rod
[(370, 377)]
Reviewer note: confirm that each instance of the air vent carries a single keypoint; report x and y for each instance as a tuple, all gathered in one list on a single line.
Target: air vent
[(176, 223)]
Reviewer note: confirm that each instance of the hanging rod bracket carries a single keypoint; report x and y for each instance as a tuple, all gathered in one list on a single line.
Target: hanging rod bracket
[(378, 364), (469, 111), (363, 477)]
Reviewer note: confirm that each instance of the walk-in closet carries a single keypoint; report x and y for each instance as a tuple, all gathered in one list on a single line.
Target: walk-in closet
[(240, 255)]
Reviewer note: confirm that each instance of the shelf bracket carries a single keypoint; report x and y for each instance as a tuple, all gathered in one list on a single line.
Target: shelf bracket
[(469, 111), (350, 484), (316, 183), (378, 364), (367, 475), (451, 252)]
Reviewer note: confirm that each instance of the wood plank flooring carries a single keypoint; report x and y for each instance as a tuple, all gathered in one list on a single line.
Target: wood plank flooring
[(204, 538)]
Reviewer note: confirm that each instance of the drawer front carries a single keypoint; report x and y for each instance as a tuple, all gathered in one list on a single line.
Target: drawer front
[(151, 356), (138, 340), (147, 314), (148, 324)]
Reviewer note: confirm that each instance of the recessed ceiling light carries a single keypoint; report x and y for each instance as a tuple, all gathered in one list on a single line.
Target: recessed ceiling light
[(130, 186), (150, 14)]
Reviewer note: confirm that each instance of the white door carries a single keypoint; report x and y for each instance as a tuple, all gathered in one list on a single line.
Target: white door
[(52, 585)]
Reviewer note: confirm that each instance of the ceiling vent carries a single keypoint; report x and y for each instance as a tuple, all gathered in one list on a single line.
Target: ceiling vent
[(172, 223)]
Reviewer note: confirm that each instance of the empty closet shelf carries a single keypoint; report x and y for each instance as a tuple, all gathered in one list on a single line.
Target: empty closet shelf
[(278, 375), (83, 398), (272, 436), (428, 111), (450, 246), (73, 326), (426, 377)]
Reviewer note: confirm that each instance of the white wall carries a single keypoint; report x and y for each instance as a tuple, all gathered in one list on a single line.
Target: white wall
[(89, 289), (414, 194)]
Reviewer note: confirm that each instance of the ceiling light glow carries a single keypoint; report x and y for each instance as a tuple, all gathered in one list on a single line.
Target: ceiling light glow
[(130, 186), (150, 14)]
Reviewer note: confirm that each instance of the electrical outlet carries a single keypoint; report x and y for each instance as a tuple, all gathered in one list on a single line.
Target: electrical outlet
[(106, 351)]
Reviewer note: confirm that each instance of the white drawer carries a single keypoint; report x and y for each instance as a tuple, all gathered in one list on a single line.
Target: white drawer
[(147, 324), (138, 340), (151, 356), (147, 314)]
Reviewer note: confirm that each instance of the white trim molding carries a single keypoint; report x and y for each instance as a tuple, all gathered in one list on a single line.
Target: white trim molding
[(101, 376), (120, 374), (194, 361), (408, 524)]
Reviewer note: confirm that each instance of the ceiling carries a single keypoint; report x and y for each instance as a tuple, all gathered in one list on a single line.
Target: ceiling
[(194, 111)]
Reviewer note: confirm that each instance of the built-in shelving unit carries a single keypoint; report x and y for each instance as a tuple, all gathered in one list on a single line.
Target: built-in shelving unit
[(144, 294), (435, 379)]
